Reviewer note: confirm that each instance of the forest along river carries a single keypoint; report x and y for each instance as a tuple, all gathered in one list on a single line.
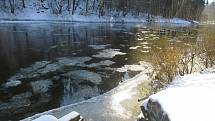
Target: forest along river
[(48, 65)]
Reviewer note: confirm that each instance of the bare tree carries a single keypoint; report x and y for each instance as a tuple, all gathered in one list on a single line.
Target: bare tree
[(68, 5), (23, 3), (86, 7), (12, 6), (4, 3), (57, 6)]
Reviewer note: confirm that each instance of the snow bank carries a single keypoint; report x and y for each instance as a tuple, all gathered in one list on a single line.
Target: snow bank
[(73, 116), (188, 98), (35, 11)]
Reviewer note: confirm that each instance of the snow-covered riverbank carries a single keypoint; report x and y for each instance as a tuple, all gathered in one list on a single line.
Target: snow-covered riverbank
[(187, 98), (24, 17), (31, 17), (37, 11)]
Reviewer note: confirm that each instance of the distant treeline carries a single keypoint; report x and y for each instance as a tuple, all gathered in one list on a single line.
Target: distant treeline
[(188, 9), (209, 12)]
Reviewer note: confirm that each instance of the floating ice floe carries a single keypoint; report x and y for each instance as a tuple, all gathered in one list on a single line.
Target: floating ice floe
[(153, 35), (154, 38), (84, 75), (144, 43), (109, 53), (50, 68), (43, 68), (132, 68), (123, 45), (144, 32), (146, 47), (134, 48), (78, 93), (129, 33), (145, 51), (140, 39), (12, 83), (99, 47), (34, 67), (102, 63), (41, 86), (73, 61)]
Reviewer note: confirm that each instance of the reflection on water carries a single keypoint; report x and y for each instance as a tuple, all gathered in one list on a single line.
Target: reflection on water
[(47, 65)]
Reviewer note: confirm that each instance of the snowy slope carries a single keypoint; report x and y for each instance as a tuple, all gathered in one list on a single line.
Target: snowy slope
[(188, 98), (37, 11)]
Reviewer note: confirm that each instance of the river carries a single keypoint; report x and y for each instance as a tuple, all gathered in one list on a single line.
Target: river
[(46, 65)]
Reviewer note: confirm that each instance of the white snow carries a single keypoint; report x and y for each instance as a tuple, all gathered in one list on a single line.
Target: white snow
[(12, 83), (35, 11), (69, 117), (174, 20), (189, 98), (209, 70), (46, 118), (210, 1)]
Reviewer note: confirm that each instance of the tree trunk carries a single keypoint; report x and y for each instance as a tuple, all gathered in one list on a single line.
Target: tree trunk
[(4, 4), (12, 6), (73, 6), (68, 5), (23, 3), (86, 9)]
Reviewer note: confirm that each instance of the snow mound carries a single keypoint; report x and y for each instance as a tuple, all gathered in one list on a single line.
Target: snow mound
[(188, 98)]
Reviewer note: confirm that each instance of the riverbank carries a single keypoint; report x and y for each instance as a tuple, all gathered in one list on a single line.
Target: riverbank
[(187, 98), (37, 11), (10, 18), (117, 105)]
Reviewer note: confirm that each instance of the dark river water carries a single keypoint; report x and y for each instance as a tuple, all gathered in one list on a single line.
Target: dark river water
[(48, 65)]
